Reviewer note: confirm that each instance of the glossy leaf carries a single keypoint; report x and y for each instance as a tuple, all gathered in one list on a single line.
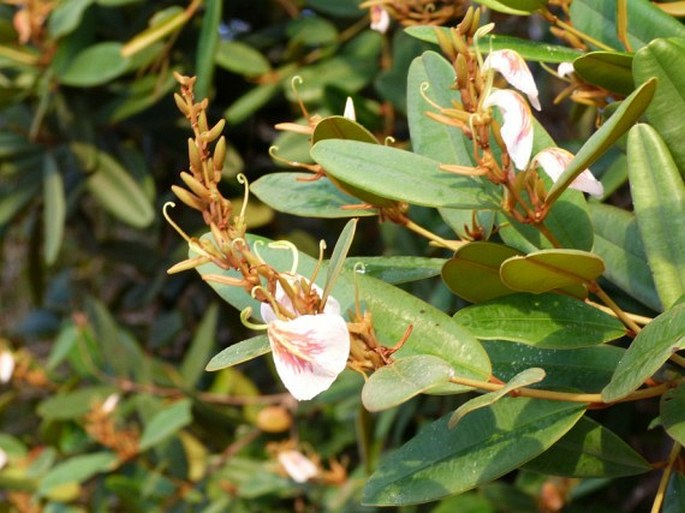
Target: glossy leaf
[(250, 102), (340, 8), (337, 261), (484, 446), (610, 70), (396, 269), (534, 51), (311, 31), (645, 22), (294, 193), (397, 174), (241, 58), (663, 59), (517, 7), (550, 269), (114, 188), (588, 369), (202, 343), (673, 413), (96, 65), (618, 242), (674, 502), (165, 423), (207, 46), (403, 379), (77, 470), (74, 404), (548, 320), (589, 450), (618, 124), (393, 310), (523, 379), (648, 351), (473, 272), (238, 353), (54, 209), (66, 16), (658, 194)]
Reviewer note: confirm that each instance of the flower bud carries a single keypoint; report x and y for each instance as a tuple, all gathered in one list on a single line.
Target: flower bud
[(194, 157), (274, 419)]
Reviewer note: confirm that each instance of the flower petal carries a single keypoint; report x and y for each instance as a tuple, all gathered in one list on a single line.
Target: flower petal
[(555, 160), (517, 129), (332, 306), (349, 112), (309, 352), (515, 71), (380, 19), (300, 468), (6, 366), (565, 68)]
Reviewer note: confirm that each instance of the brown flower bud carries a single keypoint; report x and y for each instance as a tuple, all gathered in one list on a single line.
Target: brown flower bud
[(274, 419)]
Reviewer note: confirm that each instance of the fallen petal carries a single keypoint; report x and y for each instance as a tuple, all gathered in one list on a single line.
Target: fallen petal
[(515, 71), (309, 352), (517, 129), (300, 468), (555, 160)]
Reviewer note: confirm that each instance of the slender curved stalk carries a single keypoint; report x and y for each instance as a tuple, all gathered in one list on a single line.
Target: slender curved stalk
[(661, 491)]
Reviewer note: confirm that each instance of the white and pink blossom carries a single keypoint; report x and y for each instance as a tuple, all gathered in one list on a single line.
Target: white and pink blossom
[(515, 71), (554, 162), (300, 468), (380, 19), (517, 129), (309, 351)]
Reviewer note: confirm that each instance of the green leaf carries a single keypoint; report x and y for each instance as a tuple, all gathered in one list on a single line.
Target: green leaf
[(54, 209), (197, 354), (396, 269), (618, 242), (658, 195), (339, 8), (484, 446), (610, 70), (523, 379), (588, 369), (311, 31), (250, 102), (434, 332), (114, 188), (627, 113), (165, 423), (473, 272), (96, 65), (663, 59), (296, 194), (403, 379), (241, 58), (548, 320), (397, 174), (674, 502), (66, 16), (550, 269), (207, 45), (71, 405), (238, 353), (648, 351), (337, 261), (673, 413), (77, 470), (391, 83), (530, 50), (589, 450), (516, 7)]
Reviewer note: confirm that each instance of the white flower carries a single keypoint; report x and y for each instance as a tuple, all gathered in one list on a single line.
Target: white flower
[(349, 112), (3, 458), (380, 19), (515, 71), (6, 366), (565, 68), (300, 468), (555, 160), (517, 129), (110, 403), (310, 350)]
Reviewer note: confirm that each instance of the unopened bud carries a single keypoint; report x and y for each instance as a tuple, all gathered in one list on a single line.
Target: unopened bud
[(215, 132), (181, 104), (464, 26), (194, 185), (445, 44), (194, 156), (274, 419), (475, 23), (462, 70), (188, 198), (110, 403), (220, 154), (202, 121), (458, 42)]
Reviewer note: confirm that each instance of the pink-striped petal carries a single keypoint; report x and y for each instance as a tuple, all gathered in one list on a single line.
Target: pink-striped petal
[(309, 352), (517, 129), (515, 71), (300, 468), (555, 160)]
